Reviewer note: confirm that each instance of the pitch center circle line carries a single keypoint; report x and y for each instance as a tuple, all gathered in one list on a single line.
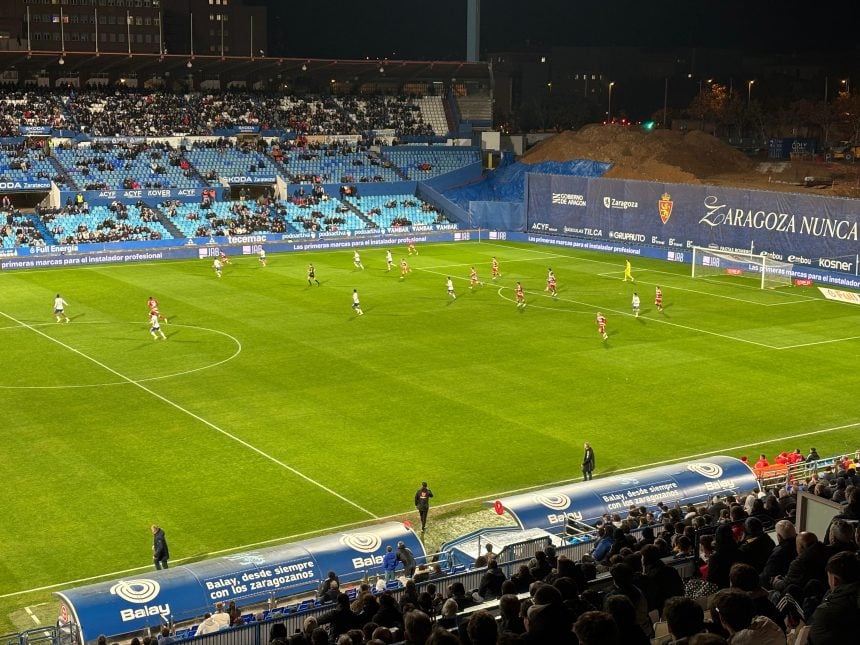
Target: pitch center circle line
[(236, 352)]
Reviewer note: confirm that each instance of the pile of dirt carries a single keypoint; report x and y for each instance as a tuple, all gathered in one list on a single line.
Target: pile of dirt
[(692, 157)]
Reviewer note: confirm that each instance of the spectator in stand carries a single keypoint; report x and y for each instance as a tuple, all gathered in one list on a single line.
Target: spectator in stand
[(522, 579), (388, 615), (812, 456), (509, 614), (341, 619), (417, 627), (808, 565), (840, 608), (482, 560), (624, 615), (684, 618), (539, 566), (737, 614), (596, 628), (744, 578), (491, 581), (840, 537), (481, 628), (852, 508), (660, 581), (622, 579), (757, 545), (725, 554), (782, 555)]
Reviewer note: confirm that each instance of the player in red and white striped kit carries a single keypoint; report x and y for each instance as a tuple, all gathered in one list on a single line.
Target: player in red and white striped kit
[(551, 283), (601, 325), (496, 273), (152, 303), (658, 299), (473, 278), (521, 296)]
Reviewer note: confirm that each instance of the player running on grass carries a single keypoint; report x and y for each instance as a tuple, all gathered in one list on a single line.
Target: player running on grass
[(152, 303), (658, 299), (450, 286), (356, 305), (601, 325), (496, 273), (216, 264), (404, 268), (551, 284), (312, 275), (356, 261), (389, 260), (155, 328), (473, 278), (410, 246), (60, 309), (635, 305), (223, 257), (521, 296), (262, 256)]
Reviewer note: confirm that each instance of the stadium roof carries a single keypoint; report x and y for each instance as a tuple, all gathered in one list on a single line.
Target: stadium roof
[(237, 67)]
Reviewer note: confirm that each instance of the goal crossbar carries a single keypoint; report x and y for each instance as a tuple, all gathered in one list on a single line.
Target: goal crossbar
[(768, 272)]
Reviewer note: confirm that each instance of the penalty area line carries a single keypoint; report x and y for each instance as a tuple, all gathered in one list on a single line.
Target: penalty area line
[(191, 414)]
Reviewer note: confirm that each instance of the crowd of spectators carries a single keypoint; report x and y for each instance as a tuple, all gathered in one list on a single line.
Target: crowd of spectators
[(30, 108), (747, 588), (134, 113)]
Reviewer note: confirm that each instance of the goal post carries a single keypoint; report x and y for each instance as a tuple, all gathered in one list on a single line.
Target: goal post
[(766, 271)]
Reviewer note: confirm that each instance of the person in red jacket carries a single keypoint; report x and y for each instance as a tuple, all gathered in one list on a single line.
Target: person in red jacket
[(762, 462)]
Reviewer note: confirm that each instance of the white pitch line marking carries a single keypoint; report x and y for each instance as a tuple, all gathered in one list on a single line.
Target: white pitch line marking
[(143, 380), (468, 500), (192, 415)]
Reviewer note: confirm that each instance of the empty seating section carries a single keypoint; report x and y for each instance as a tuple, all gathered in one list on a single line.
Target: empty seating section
[(425, 162), (215, 163), (102, 166), (335, 163), (433, 111), (396, 210), (475, 107), (101, 224)]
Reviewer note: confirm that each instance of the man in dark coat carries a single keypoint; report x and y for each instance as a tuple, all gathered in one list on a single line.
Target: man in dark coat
[(422, 503), (160, 554), (660, 581), (808, 565), (404, 555), (491, 581), (840, 608), (782, 555), (757, 545), (588, 462)]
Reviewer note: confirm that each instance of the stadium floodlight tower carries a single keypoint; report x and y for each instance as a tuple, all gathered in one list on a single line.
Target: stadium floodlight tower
[(473, 30), (769, 273)]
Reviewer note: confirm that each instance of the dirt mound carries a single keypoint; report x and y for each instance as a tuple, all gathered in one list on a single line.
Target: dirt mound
[(661, 155)]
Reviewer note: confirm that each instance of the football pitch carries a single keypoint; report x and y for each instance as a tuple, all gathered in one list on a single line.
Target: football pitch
[(274, 412)]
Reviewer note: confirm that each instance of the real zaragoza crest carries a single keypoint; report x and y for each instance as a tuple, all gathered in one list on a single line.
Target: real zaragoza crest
[(665, 207)]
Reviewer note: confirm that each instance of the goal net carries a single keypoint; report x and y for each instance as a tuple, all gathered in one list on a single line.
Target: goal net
[(767, 272)]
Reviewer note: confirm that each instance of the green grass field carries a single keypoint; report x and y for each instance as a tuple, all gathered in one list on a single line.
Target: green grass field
[(273, 411)]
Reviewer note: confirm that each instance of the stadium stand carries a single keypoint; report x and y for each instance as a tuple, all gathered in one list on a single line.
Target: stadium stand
[(669, 567), (115, 223), (228, 218), (30, 108), (333, 162), (427, 162), (398, 210), (19, 230), (220, 159), (104, 166), (19, 163)]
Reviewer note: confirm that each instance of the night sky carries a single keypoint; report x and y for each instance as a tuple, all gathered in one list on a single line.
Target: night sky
[(436, 29)]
